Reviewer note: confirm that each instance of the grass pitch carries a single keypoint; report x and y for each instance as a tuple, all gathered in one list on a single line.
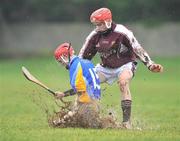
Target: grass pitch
[(156, 100)]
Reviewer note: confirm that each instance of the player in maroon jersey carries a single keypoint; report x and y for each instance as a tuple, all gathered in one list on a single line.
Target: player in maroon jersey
[(119, 51)]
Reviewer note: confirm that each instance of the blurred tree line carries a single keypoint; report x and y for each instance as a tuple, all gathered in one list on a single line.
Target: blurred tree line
[(79, 10)]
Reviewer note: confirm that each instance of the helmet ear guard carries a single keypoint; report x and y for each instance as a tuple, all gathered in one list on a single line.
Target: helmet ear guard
[(108, 24)]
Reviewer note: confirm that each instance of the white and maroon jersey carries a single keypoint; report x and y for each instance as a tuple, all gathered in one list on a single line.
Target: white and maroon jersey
[(116, 47)]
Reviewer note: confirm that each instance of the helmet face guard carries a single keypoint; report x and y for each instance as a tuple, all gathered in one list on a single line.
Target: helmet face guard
[(103, 26), (63, 59)]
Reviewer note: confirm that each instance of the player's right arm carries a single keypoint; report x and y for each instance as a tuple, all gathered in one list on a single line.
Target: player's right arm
[(88, 50)]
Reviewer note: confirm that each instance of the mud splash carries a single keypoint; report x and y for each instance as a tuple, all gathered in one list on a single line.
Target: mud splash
[(83, 116), (73, 114)]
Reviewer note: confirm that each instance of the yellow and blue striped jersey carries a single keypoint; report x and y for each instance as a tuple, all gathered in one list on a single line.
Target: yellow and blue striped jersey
[(83, 78)]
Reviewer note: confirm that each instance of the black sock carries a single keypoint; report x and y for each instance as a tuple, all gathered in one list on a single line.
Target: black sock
[(126, 109)]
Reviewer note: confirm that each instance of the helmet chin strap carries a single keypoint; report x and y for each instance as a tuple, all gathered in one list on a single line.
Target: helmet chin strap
[(67, 67)]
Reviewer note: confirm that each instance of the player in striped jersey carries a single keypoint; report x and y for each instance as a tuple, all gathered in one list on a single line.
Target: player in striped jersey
[(85, 83), (119, 51), (83, 78)]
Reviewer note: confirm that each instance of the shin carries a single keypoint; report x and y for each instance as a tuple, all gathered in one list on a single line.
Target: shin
[(124, 81)]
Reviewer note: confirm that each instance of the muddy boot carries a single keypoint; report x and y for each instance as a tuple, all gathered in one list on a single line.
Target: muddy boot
[(126, 109), (126, 125)]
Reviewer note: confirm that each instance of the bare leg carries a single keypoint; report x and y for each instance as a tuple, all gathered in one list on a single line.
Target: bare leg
[(124, 81)]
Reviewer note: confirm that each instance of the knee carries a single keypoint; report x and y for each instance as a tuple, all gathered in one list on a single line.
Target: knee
[(123, 84)]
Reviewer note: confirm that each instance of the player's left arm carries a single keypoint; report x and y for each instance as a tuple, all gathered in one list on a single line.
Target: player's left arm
[(130, 41), (141, 53), (145, 58)]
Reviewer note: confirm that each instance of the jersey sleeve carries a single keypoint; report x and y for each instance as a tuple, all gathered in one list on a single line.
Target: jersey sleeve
[(88, 50), (129, 40)]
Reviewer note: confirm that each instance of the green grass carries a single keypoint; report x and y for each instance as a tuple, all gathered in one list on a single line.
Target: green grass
[(156, 103)]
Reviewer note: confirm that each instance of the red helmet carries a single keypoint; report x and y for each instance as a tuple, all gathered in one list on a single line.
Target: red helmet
[(63, 50), (101, 15)]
